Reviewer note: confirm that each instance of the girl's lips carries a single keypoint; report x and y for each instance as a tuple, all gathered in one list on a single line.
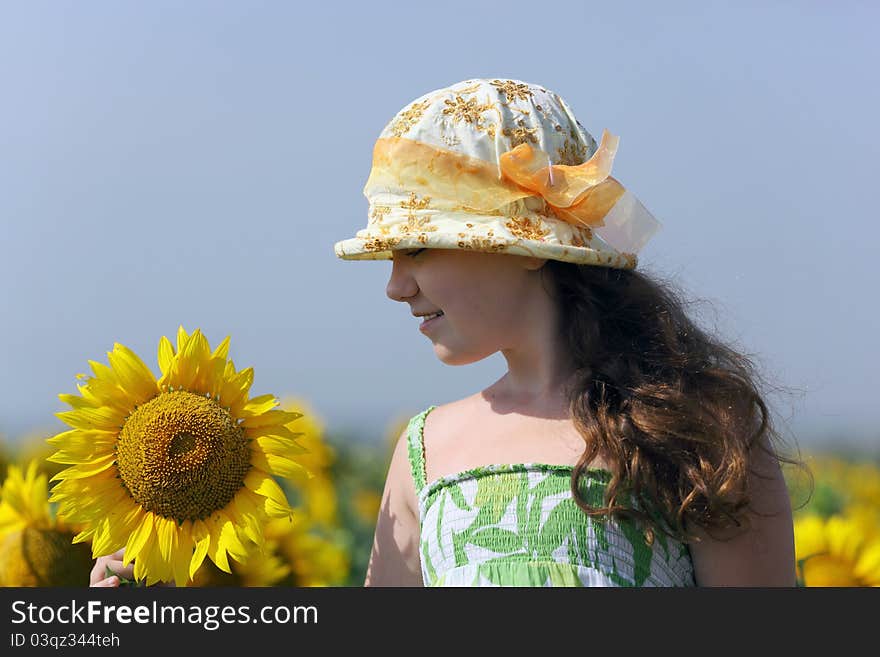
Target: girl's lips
[(427, 324)]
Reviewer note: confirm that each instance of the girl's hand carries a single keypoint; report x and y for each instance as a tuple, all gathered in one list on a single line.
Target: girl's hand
[(101, 576), (109, 571)]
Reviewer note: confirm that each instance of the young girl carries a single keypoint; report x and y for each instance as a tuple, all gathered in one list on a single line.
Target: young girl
[(624, 446)]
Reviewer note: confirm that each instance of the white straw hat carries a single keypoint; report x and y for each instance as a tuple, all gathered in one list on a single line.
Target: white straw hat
[(499, 166)]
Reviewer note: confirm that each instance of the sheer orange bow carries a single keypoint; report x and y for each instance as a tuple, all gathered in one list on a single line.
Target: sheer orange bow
[(581, 194)]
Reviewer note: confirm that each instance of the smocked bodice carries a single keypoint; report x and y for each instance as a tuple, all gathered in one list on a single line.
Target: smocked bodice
[(518, 525)]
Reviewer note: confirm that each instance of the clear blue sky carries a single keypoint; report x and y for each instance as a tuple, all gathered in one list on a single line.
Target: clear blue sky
[(165, 163)]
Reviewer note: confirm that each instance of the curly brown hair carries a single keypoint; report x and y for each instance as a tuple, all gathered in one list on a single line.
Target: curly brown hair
[(674, 410)]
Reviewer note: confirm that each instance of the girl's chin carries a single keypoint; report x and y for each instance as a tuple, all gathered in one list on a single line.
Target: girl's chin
[(452, 357)]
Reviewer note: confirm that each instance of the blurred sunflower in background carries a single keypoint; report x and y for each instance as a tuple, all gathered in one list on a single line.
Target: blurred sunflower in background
[(265, 568), (317, 548), (32, 446), (837, 551), (176, 470), (359, 473), (36, 549), (297, 553), (317, 555), (5, 457), (367, 500), (315, 495), (837, 533), (366, 504)]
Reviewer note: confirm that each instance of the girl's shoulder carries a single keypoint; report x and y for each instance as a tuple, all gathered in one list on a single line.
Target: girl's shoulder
[(470, 432), (431, 426), (443, 423)]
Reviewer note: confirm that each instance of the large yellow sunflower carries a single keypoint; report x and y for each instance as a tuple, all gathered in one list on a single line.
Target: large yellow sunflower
[(35, 548), (173, 470)]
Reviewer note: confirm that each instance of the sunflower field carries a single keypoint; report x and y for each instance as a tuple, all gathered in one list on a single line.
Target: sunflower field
[(202, 484)]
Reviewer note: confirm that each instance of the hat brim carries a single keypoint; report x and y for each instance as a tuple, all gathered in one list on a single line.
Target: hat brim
[(381, 248)]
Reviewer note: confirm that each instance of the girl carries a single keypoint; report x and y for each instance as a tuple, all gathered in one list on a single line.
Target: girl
[(624, 446)]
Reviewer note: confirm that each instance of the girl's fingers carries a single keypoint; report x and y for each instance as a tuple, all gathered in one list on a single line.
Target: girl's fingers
[(98, 573), (116, 568), (110, 581), (99, 570)]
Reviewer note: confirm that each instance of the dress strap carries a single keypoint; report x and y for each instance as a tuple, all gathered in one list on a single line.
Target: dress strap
[(416, 447)]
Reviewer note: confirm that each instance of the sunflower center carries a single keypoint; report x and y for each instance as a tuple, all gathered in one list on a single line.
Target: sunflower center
[(182, 443), (182, 456)]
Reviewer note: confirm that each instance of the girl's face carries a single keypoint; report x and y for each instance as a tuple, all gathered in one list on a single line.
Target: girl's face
[(480, 294)]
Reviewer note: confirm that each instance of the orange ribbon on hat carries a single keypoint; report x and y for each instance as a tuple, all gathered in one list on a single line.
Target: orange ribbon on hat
[(581, 194)]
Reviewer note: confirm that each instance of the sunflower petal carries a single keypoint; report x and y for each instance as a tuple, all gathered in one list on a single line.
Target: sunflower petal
[(281, 446), (216, 551), (269, 418), (230, 539), (103, 372), (259, 405), (166, 531), (214, 376), (277, 430), (867, 567), (165, 355), (182, 337), (76, 401), (83, 536), (843, 539), (80, 449), (81, 437), (250, 514), (139, 539), (124, 522), (83, 470), (202, 538), (279, 465), (182, 554), (106, 393), (155, 567), (234, 391), (86, 504), (104, 540), (222, 350), (190, 357), (206, 370), (262, 484), (135, 377), (103, 418)]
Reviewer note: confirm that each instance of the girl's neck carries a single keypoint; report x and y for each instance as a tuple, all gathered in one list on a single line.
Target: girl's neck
[(549, 401)]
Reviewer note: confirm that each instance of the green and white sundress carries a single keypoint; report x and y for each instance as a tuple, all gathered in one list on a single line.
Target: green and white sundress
[(518, 525)]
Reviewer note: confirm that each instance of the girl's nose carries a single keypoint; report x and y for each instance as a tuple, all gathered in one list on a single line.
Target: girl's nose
[(401, 284)]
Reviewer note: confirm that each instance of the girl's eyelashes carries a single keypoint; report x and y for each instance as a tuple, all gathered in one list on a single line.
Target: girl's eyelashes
[(414, 253)]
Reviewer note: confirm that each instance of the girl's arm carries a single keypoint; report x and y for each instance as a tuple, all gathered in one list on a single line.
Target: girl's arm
[(764, 554), (394, 560)]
